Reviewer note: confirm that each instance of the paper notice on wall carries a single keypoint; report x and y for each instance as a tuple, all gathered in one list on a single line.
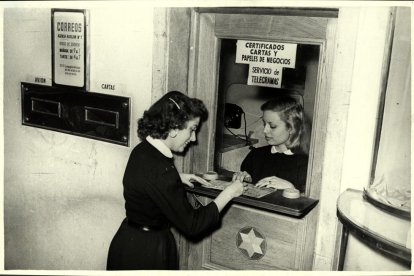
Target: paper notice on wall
[(69, 45), (266, 61), (265, 75)]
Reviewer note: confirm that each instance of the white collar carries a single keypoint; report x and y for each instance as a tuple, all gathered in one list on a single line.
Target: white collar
[(274, 150), (160, 146)]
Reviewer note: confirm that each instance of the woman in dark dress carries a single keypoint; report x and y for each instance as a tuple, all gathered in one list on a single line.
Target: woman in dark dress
[(282, 164), (155, 198)]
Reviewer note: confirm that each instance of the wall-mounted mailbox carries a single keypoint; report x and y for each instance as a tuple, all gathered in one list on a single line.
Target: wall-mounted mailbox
[(93, 115)]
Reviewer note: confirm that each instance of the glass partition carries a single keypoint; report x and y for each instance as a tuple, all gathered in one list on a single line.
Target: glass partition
[(239, 125)]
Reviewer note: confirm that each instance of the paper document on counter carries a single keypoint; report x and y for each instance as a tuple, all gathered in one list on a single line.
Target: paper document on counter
[(252, 191)]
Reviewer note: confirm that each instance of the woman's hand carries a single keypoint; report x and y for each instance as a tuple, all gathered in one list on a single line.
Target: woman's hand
[(187, 177), (235, 189), (275, 182), (242, 176)]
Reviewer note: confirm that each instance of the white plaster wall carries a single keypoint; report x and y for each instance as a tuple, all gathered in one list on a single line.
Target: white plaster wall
[(62, 193), (394, 153), (394, 150), (357, 72), (365, 97)]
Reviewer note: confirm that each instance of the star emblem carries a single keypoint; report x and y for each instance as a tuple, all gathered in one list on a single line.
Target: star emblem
[(251, 243)]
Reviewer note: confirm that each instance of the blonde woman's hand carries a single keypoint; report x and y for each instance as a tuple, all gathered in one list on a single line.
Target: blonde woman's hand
[(242, 176), (274, 182), (187, 177)]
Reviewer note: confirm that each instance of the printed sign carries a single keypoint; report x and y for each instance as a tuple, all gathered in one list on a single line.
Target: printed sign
[(108, 87), (38, 79), (266, 61), (69, 48), (265, 75)]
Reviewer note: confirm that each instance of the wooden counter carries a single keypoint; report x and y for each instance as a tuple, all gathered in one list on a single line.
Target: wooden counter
[(255, 233), (273, 202)]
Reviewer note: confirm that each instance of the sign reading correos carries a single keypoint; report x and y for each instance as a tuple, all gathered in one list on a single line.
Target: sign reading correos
[(266, 61), (69, 46)]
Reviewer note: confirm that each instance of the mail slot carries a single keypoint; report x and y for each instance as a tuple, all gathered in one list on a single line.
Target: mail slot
[(73, 111), (46, 107), (101, 116)]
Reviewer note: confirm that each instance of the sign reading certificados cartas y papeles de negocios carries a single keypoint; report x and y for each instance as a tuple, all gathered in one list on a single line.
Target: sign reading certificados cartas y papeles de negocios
[(266, 61), (69, 48)]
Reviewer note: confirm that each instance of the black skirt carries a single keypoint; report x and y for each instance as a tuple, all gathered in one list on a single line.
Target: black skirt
[(135, 249)]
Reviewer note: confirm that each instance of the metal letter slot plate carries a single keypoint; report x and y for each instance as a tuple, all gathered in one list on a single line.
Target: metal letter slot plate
[(69, 110)]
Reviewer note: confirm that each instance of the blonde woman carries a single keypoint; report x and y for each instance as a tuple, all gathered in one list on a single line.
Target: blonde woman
[(282, 163)]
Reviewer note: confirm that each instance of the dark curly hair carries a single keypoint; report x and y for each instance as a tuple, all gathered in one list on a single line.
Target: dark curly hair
[(171, 111)]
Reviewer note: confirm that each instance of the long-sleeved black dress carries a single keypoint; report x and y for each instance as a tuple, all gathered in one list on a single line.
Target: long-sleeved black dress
[(261, 163), (155, 197)]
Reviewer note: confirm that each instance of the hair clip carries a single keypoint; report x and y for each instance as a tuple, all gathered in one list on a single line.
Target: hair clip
[(175, 103)]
